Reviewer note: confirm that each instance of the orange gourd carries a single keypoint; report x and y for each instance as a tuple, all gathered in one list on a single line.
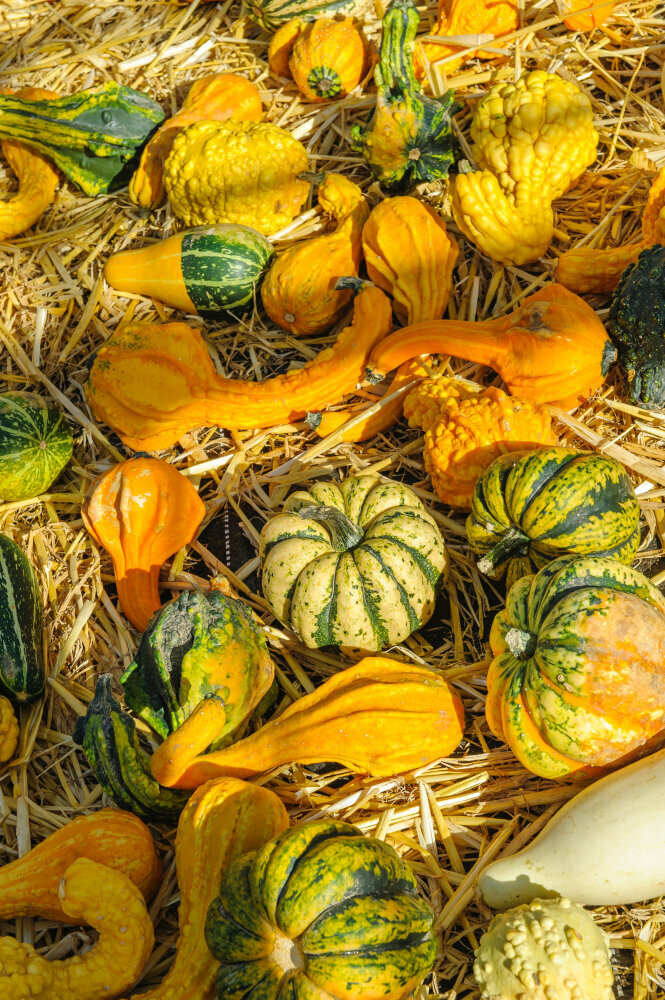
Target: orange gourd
[(584, 15), (467, 17), (328, 58), (299, 292), (281, 46), (141, 511), (154, 383)]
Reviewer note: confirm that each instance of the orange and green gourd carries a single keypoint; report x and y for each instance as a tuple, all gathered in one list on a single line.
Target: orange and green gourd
[(35, 444), (328, 58)]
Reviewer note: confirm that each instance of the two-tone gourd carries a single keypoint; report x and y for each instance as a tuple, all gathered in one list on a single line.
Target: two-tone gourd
[(35, 445)]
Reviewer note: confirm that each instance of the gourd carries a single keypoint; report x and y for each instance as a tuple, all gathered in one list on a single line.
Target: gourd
[(35, 445), (244, 173), (407, 138), (112, 905), (587, 19), (530, 507), (223, 820), (468, 430), (300, 291), (532, 140), (184, 390), (37, 178), (206, 270), (281, 46), (111, 837), (588, 269), (198, 645), (378, 716), (552, 348), (270, 14), (92, 136), (604, 847), (548, 945), (577, 675), (9, 731), (355, 565), (328, 58), (636, 324), (320, 911), (214, 98), (141, 511), (21, 626), (467, 17), (109, 741)]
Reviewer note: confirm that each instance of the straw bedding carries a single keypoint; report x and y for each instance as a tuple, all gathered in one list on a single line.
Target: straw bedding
[(447, 820)]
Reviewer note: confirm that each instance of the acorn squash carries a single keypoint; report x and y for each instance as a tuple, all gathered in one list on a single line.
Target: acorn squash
[(35, 445), (21, 626)]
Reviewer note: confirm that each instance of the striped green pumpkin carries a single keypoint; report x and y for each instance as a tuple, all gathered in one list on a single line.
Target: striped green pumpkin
[(270, 14), (320, 913), (530, 507), (21, 626), (354, 565), (35, 445)]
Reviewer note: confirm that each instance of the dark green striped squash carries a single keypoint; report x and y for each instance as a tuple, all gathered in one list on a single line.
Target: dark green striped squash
[(21, 626), (110, 743), (530, 507), (320, 913), (35, 445), (353, 565), (206, 270), (93, 136), (578, 678), (198, 645), (270, 14)]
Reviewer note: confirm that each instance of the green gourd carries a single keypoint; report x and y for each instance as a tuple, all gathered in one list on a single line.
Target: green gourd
[(35, 445), (21, 626)]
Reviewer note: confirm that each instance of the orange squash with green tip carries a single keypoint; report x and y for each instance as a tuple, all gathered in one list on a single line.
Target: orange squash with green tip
[(328, 58)]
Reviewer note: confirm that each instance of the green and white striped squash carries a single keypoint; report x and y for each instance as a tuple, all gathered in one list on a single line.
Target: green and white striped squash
[(21, 626), (531, 507), (270, 14), (320, 913), (35, 445), (353, 565)]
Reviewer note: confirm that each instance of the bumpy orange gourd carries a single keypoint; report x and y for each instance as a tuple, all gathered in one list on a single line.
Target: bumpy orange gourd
[(141, 511), (37, 177), (214, 98), (466, 430), (591, 270), (154, 383), (328, 58), (553, 348), (467, 17), (299, 291), (585, 20), (378, 716)]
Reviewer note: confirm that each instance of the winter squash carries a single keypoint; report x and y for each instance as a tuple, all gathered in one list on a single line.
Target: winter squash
[(354, 565), (467, 17), (35, 445), (141, 511), (328, 58), (37, 178), (9, 731), (320, 911), (577, 677), (21, 626)]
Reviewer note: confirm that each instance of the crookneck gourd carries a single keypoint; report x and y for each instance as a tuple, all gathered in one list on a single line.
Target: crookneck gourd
[(466, 430), (355, 564), (214, 98), (380, 717), (244, 173), (532, 140), (111, 904), (578, 677), (111, 837), (530, 507), (552, 348), (299, 292), (407, 138), (141, 511), (9, 731), (22, 672), (184, 390), (320, 912), (328, 58), (35, 444), (466, 17), (198, 645)]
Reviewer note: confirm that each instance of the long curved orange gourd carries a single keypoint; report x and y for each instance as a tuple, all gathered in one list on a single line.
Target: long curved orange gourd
[(552, 348), (152, 383), (141, 511)]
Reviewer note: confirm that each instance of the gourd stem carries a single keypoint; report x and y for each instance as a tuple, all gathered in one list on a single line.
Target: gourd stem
[(521, 644), (513, 543), (344, 533)]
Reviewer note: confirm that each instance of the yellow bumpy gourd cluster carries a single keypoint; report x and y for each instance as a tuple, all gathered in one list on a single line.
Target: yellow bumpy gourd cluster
[(244, 173), (532, 140)]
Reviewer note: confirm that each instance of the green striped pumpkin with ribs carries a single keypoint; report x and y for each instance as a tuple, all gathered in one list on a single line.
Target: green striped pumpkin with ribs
[(354, 564), (21, 626), (35, 445), (531, 507), (320, 913)]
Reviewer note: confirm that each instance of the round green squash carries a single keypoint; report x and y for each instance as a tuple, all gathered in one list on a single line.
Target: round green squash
[(320, 913), (35, 445), (354, 564), (21, 626), (530, 507)]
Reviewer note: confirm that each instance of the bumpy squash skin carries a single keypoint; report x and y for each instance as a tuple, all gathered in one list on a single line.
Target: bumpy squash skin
[(299, 292), (320, 912), (22, 671), (563, 633), (9, 731), (214, 98), (467, 17), (328, 59), (35, 445)]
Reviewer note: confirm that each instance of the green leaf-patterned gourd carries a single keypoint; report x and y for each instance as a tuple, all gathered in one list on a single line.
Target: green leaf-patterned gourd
[(270, 14), (35, 445), (21, 626)]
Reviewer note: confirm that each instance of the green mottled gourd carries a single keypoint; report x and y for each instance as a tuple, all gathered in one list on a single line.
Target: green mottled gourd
[(270, 14), (35, 445), (21, 626), (320, 913)]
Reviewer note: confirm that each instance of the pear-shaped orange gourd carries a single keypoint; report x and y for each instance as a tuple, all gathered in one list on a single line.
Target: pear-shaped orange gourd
[(328, 58), (141, 511)]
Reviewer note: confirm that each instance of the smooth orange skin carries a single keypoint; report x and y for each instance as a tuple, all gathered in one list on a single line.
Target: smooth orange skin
[(585, 20), (330, 44), (153, 270), (468, 17)]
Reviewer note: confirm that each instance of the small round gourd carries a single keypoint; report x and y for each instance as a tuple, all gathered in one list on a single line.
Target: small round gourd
[(35, 445)]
